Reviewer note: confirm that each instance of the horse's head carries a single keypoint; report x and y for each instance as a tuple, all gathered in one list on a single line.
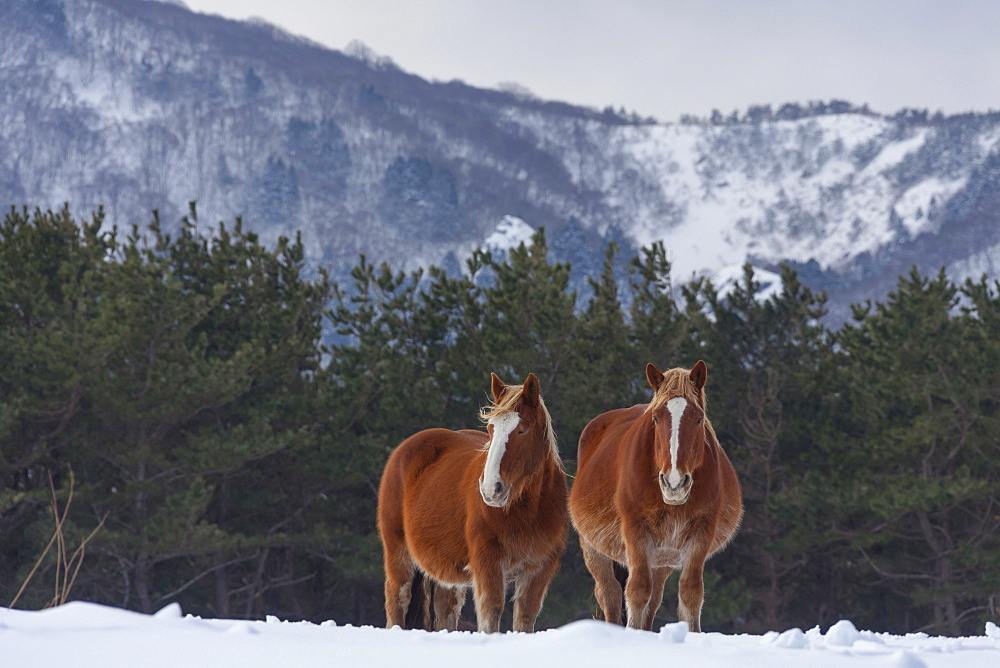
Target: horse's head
[(521, 438), (677, 413)]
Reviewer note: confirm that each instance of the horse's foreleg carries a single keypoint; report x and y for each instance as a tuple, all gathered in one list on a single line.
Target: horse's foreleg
[(659, 579), (488, 594), (607, 589), (638, 590), (529, 591), (639, 586), (692, 593)]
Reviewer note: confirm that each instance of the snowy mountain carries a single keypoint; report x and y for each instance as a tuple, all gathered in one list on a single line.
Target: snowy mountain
[(137, 105)]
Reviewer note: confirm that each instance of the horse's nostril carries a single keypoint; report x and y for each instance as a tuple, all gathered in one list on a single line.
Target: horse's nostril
[(498, 489), (683, 483)]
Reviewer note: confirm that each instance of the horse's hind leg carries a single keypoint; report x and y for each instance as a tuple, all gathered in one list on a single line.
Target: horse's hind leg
[(448, 603), (607, 589), (529, 590), (399, 572), (419, 613)]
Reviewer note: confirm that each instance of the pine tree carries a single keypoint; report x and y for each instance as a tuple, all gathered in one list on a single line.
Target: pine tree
[(658, 328), (529, 323), (602, 369), (50, 278), (172, 362), (917, 479)]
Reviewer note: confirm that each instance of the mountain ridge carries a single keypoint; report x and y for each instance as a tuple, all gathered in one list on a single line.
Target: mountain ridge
[(142, 105)]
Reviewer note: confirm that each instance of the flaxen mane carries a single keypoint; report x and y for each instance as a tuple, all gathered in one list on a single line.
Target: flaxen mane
[(508, 403)]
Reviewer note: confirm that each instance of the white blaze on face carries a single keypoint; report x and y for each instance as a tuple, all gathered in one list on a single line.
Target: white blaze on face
[(503, 425), (676, 408)]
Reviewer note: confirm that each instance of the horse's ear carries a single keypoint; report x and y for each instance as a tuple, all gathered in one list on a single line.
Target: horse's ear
[(654, 376), (699, 374), (530, 391), (497, 386)]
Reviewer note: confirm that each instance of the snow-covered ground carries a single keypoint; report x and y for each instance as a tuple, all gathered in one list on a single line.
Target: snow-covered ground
[(84, 635)]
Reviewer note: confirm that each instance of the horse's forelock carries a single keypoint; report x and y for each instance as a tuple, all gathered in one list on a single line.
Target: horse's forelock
[(510, 401), (677, 383)]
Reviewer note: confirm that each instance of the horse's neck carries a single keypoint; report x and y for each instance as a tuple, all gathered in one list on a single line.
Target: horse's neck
[(711, 440), (538, 484), (641, 437)]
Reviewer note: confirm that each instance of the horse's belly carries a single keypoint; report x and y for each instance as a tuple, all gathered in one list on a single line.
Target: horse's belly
[(435, 537), (440, 557), (447, 575)]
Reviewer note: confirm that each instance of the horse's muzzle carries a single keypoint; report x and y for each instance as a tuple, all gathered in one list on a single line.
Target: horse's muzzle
[(675, 496), (495, 494)]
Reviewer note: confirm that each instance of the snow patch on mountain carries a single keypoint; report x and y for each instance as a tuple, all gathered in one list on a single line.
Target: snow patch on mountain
[(510, 232), (800, 202), (823, 188), (919, 206), (726, 279), (985, 262), (99, 92)]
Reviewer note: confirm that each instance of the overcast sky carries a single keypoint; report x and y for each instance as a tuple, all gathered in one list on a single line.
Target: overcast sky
[(665, 58)]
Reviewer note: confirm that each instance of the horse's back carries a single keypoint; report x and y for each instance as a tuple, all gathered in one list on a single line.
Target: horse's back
[(429, 446), (415, 458), (604, 432), (480, 437)]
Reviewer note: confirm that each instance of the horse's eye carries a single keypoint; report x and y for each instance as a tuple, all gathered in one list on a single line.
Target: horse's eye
[(699, 420), (656, 420), (522, 431)]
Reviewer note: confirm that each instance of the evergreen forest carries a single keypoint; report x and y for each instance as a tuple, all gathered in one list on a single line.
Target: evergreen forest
[(198, 417)]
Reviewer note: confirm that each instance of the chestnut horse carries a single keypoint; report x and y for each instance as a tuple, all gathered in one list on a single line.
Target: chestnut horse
[(654, 491), (481, 509)]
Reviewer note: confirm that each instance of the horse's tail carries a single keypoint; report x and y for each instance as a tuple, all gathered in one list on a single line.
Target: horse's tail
[(420, 612)]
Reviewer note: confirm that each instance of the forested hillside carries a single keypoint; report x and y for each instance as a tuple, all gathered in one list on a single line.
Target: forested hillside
[(175, 388), (138, 105)]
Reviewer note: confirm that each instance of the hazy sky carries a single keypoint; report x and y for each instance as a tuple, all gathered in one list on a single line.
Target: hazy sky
[(665, 58)]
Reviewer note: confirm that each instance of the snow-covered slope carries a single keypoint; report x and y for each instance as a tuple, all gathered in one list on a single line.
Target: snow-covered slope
[(141, 105), (833, 190)]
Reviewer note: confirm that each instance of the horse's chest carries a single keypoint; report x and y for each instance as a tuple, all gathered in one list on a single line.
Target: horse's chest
[(535, 535), (667, 546)]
